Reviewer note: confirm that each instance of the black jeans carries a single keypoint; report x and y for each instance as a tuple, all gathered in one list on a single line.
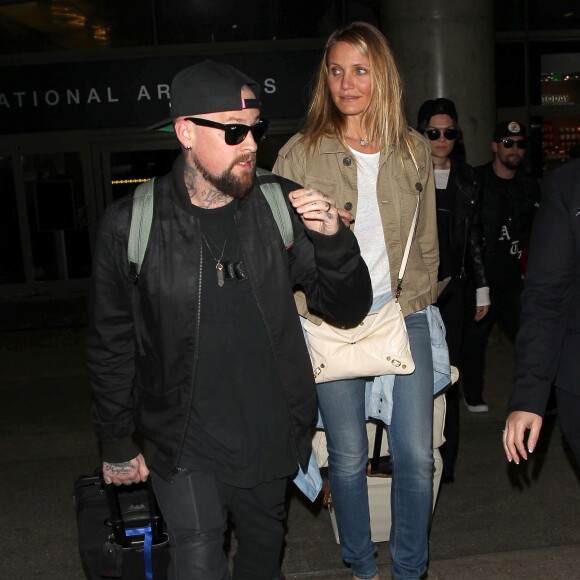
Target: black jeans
[(505, 311), (195, 507), (451, 304)]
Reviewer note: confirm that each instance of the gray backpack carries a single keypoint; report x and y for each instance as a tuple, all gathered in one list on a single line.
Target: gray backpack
[(142, 217)]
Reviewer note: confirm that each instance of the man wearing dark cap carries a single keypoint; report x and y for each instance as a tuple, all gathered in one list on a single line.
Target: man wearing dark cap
[(204, 357), (509, 200), (457, 192)]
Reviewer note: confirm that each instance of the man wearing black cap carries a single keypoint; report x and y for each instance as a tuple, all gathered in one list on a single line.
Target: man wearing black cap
[(509, 201), (204, 356), (457, 191)]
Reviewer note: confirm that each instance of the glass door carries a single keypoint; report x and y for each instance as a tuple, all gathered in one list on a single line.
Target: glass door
[(57, 216)]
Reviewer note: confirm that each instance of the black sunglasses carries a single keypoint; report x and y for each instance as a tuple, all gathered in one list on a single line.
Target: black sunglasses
[(509, 143), (235, 133), (449, 134)]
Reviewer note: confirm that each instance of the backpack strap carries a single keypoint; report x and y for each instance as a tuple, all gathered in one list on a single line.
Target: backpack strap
[(141, 219), (273, 193)]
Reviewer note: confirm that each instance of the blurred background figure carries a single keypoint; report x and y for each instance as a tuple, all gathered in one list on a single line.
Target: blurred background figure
[(460, 247), (509, 198), (548, 343)]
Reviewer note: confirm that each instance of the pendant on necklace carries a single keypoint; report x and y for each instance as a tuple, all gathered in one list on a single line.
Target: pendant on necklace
[(221, 278)]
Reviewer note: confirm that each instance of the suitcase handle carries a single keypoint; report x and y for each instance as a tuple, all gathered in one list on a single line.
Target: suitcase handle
[(117, 523)]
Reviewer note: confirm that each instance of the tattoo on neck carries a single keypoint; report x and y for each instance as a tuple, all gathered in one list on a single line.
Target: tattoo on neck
[(208, 198), (189, 174), (212, 198)]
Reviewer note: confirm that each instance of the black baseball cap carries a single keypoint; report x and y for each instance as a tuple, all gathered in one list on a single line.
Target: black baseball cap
[(207, 87), (440, 106), (508, 129)]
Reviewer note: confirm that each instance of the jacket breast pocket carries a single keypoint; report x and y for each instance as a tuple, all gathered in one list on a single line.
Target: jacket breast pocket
[(409, 185)]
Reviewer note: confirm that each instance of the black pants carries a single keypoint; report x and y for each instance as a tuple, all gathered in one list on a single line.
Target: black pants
[(195, 507), (505, 311), (451, 304)]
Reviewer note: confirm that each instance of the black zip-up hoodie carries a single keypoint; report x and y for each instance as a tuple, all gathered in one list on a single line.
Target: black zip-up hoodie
[(142, 339)]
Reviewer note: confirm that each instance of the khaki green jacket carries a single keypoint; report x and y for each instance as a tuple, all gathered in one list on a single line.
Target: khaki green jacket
[(332, 169)]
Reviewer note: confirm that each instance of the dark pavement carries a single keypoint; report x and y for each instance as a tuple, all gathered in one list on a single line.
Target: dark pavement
[(496, 521)]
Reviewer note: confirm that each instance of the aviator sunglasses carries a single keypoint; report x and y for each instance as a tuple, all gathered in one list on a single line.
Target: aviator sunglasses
[(235, 133), (449, 134), (509, 143)]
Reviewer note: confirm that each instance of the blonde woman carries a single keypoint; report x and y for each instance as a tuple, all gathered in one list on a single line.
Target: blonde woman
[(357, 147)]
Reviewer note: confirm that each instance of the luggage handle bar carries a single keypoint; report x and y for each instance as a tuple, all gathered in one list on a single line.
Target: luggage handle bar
[(117, 523)]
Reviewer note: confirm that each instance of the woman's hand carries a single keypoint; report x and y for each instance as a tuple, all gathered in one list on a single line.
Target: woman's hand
[(317, 210)]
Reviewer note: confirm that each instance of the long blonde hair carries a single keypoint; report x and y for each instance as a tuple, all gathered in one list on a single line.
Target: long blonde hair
[(384, 120)]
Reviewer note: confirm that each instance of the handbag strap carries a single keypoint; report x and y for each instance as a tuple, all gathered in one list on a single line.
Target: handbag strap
[(406, 253)]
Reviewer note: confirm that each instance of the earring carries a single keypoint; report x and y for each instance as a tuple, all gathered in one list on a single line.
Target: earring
[(188, 148)]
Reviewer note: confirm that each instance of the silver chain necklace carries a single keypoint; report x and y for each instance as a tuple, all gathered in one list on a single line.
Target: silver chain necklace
[(219, 267), (361, 140)]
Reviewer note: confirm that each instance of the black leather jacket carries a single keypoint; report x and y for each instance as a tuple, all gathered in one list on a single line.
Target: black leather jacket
[(465, 233), (148, 388)]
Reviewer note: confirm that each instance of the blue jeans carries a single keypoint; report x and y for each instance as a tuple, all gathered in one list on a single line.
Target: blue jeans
[(342, 407)]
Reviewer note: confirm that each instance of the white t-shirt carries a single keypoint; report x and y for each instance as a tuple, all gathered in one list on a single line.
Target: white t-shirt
[(368, 227), (442, 178)]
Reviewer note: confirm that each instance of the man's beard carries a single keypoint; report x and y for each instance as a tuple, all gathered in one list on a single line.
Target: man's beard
[(512, 162), (227, 183)]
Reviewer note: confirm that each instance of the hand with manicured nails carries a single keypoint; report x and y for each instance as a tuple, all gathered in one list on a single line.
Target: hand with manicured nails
[(517, 423)]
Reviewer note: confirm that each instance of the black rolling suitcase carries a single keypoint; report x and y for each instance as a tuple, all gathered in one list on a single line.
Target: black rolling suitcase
[(120, 531)]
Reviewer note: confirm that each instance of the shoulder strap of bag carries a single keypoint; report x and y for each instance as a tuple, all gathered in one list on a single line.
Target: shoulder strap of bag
[(141, 219), (275, 198), (409, 237), (406, 253)]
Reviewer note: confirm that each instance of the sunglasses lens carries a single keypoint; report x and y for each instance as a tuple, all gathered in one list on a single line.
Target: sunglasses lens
[(509, 143), (449, 134), (235, 134), (259, 130)]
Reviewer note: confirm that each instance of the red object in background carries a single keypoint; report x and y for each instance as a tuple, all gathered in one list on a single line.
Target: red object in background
[(524, 261)]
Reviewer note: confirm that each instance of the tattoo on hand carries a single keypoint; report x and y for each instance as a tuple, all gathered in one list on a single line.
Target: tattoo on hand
[(120, 469)]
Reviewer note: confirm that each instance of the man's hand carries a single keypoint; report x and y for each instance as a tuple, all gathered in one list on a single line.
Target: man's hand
[(127, 472), (480, 312), (317, 210), (515, 429)]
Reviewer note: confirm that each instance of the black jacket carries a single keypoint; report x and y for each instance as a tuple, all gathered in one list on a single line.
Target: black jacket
[(150, 392), (548, 344), (465, 231), (524, 197)]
